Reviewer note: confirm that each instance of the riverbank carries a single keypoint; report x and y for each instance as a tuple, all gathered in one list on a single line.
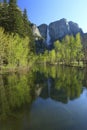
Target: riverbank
[(14, 69), (22, 69), (73, 64)]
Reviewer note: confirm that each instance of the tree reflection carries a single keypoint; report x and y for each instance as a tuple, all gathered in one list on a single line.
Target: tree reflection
[(65, 83), (85, 77), (15, 91), (19, 90)]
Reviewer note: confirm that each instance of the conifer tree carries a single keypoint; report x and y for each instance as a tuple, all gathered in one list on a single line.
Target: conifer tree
[(26, 23), (15, 18), (28, 30), (4, 15), (13, 2)]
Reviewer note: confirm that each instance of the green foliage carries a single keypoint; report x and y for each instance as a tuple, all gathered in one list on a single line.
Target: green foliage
[(65, 83), (14, 51), (14, 21), (26, 23), (52, 56), (13, 2), (19, 89), (40, 47), (3, 47), (69, 50), (16, 39), (18, 51), (15, 91), (79, 52), (58, 49), (4, 15), (18, 46), (27, 31)]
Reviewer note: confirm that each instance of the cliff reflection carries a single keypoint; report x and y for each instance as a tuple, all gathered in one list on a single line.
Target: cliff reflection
[(20, 90), (60, 83)]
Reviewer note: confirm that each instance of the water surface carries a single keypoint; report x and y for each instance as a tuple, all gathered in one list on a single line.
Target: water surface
[(46, 98)]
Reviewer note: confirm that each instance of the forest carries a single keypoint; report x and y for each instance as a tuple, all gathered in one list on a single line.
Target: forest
[(18, 47), (16, 38)]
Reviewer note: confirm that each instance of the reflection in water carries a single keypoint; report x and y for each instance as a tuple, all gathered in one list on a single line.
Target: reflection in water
[(45, 98), (49, 86), (15, 90), (63, 85)]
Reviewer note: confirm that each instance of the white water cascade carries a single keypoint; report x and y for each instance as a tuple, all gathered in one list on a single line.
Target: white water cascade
[(48, 37)]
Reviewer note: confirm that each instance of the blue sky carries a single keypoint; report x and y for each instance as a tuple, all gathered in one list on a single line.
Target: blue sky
[(46, 11)]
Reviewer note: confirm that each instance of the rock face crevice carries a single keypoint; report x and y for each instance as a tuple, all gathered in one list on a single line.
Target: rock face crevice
[(43, 30), (59, 29)]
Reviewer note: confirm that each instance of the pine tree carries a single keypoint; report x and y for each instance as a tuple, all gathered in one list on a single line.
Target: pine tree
[(26, 23), (13, 2), (28, 30), (4, 15), (15, 18)]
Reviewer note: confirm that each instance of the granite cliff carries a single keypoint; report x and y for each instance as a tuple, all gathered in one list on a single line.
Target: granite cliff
[(47, 34), (36, 32), (43, 30), (59, 29)]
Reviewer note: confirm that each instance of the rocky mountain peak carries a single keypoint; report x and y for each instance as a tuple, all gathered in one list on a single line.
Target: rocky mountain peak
[(59, 29), (74, 28)]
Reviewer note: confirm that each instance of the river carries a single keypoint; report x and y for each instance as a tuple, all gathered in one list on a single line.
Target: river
[(46, 98)]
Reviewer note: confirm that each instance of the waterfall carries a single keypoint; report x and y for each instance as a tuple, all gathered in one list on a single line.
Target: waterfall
[(48, 36)]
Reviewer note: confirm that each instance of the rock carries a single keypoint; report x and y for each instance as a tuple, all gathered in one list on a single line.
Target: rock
[(36, 32), (74, 28), (43, 30), (59, 29)]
